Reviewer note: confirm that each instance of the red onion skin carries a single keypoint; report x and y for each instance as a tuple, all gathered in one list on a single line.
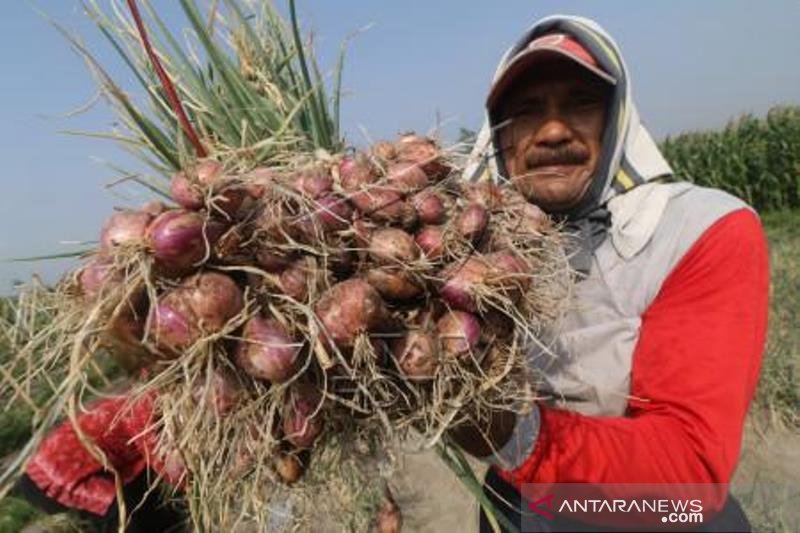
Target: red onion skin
[(430, 207), (509, 272), (423, 152), (184, 193), (393, 284), (333, 213), (430, 239), (348, 309), (267, 351), (190, 192), (187, 186), (214, 298), (406, 177), (224, 393), (228, 200), (301, 426), (459, 333), (294, 280), (383, 204), (355, 173), (313, 183), (328, 214), (483, 193), (201, 305), (208, 172), (128, 325), (384, 150), (472, 221), (272, 262), (124, 228), (460, 280), (173, 468), (153, 208), (123, 335), (98, 276), (392, 246), (417, 355), (380, 202), (171, 324), (530, 219), (258, 181), (506, 263), (180, 239)]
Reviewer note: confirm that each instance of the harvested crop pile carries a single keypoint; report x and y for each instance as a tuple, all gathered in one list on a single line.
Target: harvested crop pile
[(298, 318)]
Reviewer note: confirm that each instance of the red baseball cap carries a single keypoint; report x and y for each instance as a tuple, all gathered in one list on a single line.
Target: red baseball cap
[(553, 45)]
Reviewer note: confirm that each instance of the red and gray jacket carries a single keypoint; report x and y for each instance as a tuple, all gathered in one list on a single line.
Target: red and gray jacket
[(655, 364)]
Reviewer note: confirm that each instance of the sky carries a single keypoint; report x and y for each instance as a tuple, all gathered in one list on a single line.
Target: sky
[(693, 65)]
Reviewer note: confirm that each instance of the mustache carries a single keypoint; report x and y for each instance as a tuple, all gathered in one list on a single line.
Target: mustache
[(570, 154)]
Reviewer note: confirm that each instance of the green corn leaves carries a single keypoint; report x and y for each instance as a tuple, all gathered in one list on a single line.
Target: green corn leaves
[(755, 159)]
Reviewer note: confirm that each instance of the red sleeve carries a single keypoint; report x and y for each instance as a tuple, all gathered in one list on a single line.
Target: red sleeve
[(694, 372)]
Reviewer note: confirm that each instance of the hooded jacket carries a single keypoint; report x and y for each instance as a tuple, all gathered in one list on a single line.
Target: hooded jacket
[(654, 366)]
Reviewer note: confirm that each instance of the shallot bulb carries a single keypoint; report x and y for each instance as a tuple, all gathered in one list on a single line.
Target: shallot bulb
[(384, 150), (393, 246), (394, 283), (406, 177), (423, 152), (221, 392), (383, 204), (313, 183), (293, 281), (472, 222), (126, 228), (333, 213), (98, 276), (430, 207), (153, 208), (201, 305), (327, 214), (379, 202), (389, 518), (302, 416), (272, 260), (483, 193), (417, 355), (430, 239), (181, 239), (267, 350), (355, 172), (188, 187), (258, 181), (288, 467), (459, 333), (461, 281), (207, 180), (349, 309)]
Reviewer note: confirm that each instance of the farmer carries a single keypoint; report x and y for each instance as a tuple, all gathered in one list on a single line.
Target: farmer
[(654, 366)]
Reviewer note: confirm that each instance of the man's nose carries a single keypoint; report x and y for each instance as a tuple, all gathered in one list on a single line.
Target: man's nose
[(554, 132)]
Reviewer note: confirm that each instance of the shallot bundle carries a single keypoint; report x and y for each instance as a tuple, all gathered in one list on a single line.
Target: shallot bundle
[(296, 315)]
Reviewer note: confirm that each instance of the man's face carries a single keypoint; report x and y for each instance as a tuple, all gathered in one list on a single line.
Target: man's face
[(552, 142)]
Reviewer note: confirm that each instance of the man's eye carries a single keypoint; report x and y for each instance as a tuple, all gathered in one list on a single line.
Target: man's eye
[(531, 108), (586, 101)]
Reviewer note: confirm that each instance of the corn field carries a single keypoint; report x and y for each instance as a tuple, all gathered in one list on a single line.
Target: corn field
[(756, 159)]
